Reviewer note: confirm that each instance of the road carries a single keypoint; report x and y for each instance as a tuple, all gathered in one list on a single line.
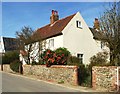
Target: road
[(15, 83)]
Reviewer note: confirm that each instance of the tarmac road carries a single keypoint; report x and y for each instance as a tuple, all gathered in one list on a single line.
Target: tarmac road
[(15, 83)]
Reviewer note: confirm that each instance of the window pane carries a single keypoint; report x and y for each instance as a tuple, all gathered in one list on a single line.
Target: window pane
[(51, 43)]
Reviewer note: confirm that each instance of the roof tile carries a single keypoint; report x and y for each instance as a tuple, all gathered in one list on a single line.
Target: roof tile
[(54, 29)]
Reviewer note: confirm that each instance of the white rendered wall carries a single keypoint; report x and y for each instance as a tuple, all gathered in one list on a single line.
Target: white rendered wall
[(58, 42), (76, 40), (79, 40)]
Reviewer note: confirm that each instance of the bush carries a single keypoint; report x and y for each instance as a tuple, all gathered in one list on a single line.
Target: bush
[(9, 57), (57, 57), (73, 60), (36, 63), (60, 51), (47, 57), (84, 75), (15, 65), (99, 59)]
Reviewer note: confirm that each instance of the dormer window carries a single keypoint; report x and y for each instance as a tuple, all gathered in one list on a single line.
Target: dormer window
[(79, 24)]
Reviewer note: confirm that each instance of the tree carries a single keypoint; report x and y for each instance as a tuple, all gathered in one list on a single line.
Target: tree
[(110, 31), (28, 40)]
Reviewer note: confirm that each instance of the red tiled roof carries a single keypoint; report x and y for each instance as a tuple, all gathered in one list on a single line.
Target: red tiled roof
[(54, 29)]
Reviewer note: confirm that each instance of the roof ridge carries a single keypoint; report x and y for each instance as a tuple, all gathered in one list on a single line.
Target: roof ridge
[(57, 20), (54, 29), (67, 17)]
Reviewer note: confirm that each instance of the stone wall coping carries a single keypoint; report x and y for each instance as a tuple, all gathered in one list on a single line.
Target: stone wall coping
[(55, 66), (63, 66), (105, 66), (33, 65)]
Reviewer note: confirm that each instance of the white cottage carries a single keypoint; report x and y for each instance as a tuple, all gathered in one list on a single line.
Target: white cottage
[(72, 33)]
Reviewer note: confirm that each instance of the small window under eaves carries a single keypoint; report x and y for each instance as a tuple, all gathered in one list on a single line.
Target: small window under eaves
[(79, 24)]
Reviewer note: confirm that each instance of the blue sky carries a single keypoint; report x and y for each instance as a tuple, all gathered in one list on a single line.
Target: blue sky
[(15, 15)]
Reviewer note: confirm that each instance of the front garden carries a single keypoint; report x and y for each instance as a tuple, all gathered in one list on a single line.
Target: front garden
[(61, 56)]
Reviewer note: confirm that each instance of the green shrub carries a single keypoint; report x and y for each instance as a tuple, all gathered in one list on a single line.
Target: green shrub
[(61, 51), (84, 74), (9, 57), (99, 59), (15, 65), (73, 60), (60, 81), (36, 63), (57, 57)]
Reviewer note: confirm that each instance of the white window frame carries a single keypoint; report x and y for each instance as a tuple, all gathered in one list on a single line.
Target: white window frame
[(51, 43)]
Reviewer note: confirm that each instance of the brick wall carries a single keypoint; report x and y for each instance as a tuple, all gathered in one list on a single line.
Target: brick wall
[(105, 78), (55, 73)]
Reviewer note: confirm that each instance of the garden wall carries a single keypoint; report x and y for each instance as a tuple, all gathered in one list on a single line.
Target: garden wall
[(0, 68), (106, 78), (55, 73), (6, 68)]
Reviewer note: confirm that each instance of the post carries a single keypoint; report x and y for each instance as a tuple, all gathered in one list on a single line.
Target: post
[(20, 68), (1, 66), (118, 82)]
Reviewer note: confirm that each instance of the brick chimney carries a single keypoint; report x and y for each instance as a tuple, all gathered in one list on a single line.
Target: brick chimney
[(96, 24), (54, 16)]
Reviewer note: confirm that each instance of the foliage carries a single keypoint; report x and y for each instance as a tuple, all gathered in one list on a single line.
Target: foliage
[(110, 28), (15, 65), (84, 74), (57, 57), (9, 57), (25, 35), (35, 63), (61, 51), (99, 59), (60, 81), (73, 60), (27, 38)]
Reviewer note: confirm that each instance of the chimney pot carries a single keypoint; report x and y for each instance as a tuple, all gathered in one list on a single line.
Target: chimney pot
[(96, 19), (96, 24), (54, 17), (53, 12)]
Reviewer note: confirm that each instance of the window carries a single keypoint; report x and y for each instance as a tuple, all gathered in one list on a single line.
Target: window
[(79, 24), (51, 43), (80, 56)]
